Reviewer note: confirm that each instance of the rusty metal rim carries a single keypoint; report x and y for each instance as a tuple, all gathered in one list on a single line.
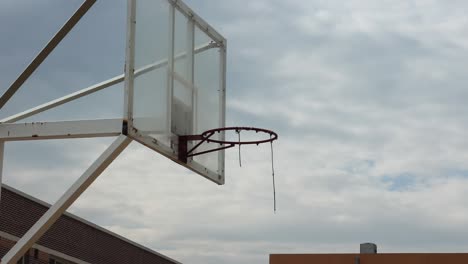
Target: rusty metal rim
[(207, 134)]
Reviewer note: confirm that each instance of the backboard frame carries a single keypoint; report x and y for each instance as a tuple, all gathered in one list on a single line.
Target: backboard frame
[(122, 128), (130, 73)]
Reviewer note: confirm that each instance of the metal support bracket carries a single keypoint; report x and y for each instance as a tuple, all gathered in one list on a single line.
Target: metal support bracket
[(184, 154)]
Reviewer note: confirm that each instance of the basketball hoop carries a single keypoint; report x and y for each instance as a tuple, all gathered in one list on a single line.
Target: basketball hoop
[(184, 153)]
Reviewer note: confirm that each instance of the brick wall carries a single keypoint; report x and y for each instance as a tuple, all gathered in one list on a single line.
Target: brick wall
[(70, 236), (5, 245), (395, 258), (40, 258)]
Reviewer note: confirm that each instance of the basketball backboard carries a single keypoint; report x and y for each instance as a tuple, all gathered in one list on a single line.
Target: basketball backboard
[(175, 95), (174, 89), (175, 81)]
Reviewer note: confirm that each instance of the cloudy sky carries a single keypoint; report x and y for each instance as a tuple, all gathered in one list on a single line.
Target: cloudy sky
[(368, 97)]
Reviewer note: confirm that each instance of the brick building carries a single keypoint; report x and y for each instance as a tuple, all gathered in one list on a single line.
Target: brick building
[(368, 255), (70, 240)]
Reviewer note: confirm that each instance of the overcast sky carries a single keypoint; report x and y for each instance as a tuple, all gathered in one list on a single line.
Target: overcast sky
[(368, 98)]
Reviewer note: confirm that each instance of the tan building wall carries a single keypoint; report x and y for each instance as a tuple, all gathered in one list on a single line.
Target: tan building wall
[(396, 258)]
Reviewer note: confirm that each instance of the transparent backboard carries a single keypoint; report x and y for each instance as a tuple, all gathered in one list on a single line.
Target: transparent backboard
[(177, 86)]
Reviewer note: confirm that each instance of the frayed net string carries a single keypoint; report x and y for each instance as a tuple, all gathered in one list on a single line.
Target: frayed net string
[(273, 176), (240, 160)]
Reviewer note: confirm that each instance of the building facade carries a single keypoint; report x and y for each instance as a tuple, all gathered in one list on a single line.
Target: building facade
[(70, 240), (394, 258), (368, 255)]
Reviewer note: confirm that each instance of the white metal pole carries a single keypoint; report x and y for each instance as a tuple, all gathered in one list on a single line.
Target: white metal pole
[(190, 73), (222, 105), (129, 64), (54, 212), (170, 68), (62, 100), (61, 130)]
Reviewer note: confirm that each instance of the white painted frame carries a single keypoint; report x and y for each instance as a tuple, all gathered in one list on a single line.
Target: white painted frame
[(58, 130), (120, 127), (219, 42), (61, 130)]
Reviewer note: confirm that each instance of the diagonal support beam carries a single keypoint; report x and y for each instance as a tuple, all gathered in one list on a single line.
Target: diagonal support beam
[(97, 87), (63, 100), (67, 199), (59, 36)]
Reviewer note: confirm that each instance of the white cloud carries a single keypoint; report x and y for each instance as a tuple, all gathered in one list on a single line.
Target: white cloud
[(368, 100)]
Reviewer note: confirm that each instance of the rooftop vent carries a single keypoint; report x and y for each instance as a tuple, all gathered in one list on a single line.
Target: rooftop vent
[(368, 248)]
